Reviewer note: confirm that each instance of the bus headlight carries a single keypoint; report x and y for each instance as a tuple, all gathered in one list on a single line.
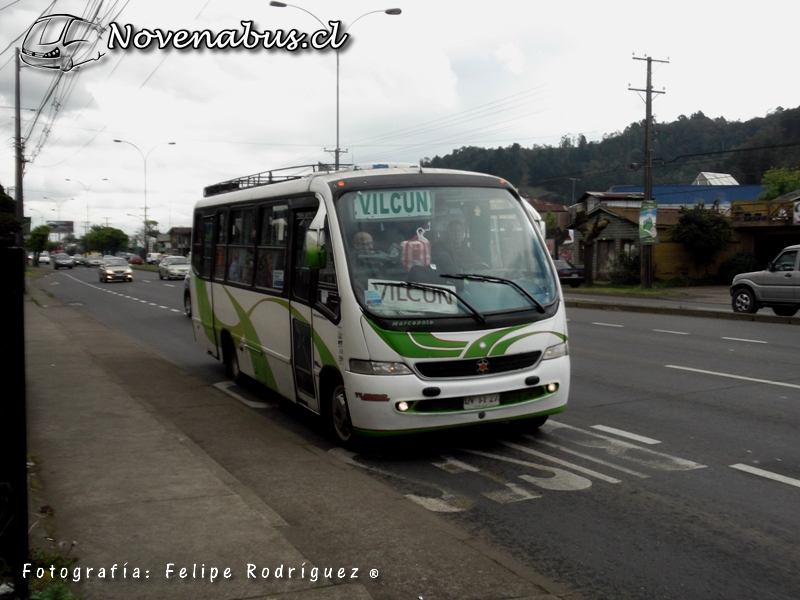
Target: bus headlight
[(556, 351), (371, 367)]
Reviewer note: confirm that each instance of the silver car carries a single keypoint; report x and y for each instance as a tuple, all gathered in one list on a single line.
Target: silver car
[(778, 286), (94, 260), (173, 267), (62, 260), (114, 269)]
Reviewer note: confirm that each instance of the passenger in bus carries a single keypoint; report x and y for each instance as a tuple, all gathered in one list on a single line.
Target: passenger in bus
[(362, 243), (234, 270)]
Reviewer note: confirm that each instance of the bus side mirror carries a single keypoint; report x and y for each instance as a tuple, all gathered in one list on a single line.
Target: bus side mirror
[(316, 251)]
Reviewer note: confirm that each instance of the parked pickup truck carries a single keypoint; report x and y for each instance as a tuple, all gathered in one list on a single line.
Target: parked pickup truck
[(777, 287)]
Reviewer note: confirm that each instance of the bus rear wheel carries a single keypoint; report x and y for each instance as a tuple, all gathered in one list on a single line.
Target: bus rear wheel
[(231, 359)]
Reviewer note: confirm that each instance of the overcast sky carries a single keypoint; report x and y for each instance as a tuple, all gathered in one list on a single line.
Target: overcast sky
[(441, 75)]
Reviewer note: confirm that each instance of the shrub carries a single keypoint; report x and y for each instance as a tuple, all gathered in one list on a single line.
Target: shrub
[(741, 262), (625, 269)]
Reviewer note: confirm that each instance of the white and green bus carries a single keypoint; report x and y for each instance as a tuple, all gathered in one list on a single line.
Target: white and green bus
[(385, 298)]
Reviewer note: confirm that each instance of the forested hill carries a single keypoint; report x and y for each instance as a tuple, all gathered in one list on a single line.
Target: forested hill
[(681, 150)]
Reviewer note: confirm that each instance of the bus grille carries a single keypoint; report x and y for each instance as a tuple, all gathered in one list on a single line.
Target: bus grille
[(476, 367)]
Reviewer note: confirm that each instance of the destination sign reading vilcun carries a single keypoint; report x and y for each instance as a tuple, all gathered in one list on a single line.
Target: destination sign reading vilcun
[(393, 204)]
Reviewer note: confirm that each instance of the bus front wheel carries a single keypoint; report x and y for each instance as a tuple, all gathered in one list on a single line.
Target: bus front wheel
[(339, 416)]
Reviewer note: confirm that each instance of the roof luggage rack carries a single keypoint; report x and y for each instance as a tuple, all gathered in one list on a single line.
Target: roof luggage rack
[(266, 178)]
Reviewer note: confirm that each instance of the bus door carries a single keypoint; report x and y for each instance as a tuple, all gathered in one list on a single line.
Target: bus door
[(301, 298)]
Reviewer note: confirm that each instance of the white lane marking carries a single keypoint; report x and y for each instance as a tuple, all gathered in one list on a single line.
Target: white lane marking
[(169, 285), (161, 306), (731, 376), (626, 434), (227, 387), (625, 450), (599, 461), (672, 332), (608, 325), (558, 461), (767, 474), (732, 339)]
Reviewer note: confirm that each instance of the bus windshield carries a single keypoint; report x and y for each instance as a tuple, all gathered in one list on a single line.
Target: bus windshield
[(439, 252)]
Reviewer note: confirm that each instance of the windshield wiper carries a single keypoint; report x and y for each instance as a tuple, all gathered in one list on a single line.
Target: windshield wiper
[(439, 290), (523, 291)]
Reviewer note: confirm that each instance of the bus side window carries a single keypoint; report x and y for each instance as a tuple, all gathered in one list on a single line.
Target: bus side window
[(271, 251), (221, 233)]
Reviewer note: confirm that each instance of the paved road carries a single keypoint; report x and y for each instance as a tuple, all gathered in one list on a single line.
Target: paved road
[(673, 474)]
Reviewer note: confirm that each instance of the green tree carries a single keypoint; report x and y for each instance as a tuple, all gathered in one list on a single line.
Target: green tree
[(38, 241), (780, 182), (589, 234), (105, 239), (703, 232), (9, 224)]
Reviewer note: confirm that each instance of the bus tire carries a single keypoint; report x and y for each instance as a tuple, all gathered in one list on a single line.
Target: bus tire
[(529, 425), (338, 416), (232, 369)]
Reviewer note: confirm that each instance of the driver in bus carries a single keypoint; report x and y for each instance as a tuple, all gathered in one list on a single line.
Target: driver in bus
[(456, 246)]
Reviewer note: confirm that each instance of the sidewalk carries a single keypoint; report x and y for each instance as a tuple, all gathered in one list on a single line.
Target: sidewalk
[(124, 442)]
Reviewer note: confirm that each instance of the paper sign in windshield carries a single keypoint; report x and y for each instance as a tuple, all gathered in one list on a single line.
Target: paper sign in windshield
[(393, 204), (390, 296)]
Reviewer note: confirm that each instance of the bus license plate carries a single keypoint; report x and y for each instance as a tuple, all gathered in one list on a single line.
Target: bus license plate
[(483, 401)]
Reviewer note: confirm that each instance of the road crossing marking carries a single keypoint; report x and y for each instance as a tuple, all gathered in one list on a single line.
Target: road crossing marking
[(626, 450), (558, 461), (599, 461), (731, 376), (512, 493), (626, 434), (767, 474)]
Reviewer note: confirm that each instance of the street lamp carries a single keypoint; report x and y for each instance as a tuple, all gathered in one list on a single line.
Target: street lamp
[(144, 160), (388, 11), (86, 189), (144, 229)]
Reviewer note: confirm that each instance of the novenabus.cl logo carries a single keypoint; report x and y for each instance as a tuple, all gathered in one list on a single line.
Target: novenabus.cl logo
[(61, 42)]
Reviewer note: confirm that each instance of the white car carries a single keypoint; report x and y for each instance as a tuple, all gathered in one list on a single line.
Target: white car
[(44, 258)]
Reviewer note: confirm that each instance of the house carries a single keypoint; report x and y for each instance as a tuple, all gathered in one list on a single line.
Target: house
[(180, 240), (622, 210), (559, 241), (696, 193), (708, 178), (767, 226)]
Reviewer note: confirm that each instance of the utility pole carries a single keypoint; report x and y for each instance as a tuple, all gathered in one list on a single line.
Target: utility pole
[(647, 199), (20, 161)]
